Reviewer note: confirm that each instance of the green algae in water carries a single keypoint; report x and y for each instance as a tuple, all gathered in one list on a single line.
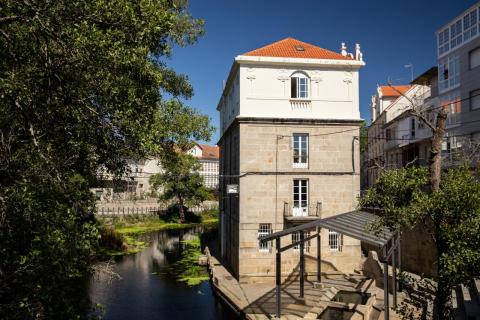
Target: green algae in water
[(187, 268)]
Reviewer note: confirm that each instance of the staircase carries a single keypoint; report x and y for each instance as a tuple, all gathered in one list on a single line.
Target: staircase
[(466, 301)]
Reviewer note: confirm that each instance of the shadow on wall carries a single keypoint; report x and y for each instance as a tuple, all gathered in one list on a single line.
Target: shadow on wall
[(419, 254)]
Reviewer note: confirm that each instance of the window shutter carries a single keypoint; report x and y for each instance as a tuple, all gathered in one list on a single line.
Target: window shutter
[(293, 87), (475, 58)]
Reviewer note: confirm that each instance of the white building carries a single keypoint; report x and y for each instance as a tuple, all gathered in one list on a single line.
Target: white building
[(208, 157)]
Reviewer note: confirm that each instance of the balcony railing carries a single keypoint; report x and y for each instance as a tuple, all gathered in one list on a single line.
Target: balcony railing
[(313, 211), (453, 119), (300, 104)]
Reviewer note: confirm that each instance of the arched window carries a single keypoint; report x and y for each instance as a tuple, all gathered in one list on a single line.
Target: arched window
[(299, 85)]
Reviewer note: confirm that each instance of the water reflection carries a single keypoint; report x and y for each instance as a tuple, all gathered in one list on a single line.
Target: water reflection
[(148, 288)]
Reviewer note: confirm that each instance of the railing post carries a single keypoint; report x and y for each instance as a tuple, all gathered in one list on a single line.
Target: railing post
[(302, 263), (278, 278), (399, 243), (394, 273), (385, 284), (319, 256)]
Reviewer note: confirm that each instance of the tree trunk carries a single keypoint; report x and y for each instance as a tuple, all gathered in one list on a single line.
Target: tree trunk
[(181, 213), (436, 151), (441, 303)]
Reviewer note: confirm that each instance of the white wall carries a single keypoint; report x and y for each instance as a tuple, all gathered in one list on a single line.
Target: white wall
[(264, 91)]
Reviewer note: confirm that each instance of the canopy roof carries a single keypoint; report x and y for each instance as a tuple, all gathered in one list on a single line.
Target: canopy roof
[(354, 224)]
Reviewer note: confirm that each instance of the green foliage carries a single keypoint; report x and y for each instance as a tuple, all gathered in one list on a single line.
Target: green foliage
[(82, 89), (451, 216), (180, 181)]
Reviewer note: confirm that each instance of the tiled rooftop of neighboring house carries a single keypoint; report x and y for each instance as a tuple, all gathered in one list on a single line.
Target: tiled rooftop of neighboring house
[(293, 48), (210, 152), (394, 91)]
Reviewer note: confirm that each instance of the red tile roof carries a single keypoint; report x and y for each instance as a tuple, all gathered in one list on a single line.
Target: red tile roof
[(394, 91), (210, 152), (292, 48)]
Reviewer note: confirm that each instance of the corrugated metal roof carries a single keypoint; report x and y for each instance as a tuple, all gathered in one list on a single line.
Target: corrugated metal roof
[(354, 224)]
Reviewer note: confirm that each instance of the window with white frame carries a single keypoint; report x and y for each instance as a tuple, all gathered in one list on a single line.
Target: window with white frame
[(470, 27), (335, 240), (475, 99), (300, 197), (474, 58), (443, 41), (299, 85), (263, 230), (449, 73), (300, 150), (456, 33), (296, 237)]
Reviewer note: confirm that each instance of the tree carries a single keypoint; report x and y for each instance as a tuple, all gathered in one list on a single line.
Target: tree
[(82, 83), (451, 216), (180, 181)]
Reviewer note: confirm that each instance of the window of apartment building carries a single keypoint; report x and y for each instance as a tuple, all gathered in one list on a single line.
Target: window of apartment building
[(263, 230), (296, 237), (453, 106), (470, 27), (299, 85), (449, 73), (300, 150), (456, 33), (300, 197), (443, 41), (412, 128), (475, 99), (388, 134), (335, 240), (474, 58)]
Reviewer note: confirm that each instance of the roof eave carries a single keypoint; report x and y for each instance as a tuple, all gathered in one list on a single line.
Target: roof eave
[(298, 61)]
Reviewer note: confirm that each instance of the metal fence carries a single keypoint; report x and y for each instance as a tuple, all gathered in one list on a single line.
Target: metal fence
[(130, 210)]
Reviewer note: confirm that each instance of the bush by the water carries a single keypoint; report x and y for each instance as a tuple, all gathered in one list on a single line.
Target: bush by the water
[(173, 215)]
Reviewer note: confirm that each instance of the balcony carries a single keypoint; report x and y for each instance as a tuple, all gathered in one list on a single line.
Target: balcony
[(312, 212), (301, 104), (453, 119)]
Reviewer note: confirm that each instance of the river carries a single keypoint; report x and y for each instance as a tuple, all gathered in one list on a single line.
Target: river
[(148, 288)]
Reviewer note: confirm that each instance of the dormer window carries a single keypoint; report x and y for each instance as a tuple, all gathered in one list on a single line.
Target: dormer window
[(299, 86)]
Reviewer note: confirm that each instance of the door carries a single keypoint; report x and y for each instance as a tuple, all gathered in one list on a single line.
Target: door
[(300, 198)]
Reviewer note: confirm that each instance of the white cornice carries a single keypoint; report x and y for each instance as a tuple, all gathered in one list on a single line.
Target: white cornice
[(298, 61)]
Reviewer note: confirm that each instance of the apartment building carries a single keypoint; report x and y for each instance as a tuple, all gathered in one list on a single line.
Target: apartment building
[(289, 153), (380, 102), (208, 156), (458, 56)]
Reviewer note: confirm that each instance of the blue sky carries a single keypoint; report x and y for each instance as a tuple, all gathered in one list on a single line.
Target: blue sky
[(391, 34)]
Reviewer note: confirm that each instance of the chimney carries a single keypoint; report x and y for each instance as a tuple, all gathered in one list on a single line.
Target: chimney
[(343, 50), (358, 53)]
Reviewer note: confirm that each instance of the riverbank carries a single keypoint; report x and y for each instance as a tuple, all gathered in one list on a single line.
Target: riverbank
[(119, 236)]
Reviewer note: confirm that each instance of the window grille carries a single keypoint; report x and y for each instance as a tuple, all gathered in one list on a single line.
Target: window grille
[(335, 241), (296, 237), (263, 230)]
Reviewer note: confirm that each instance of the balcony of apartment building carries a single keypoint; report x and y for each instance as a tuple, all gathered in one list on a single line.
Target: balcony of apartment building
[(296, 212)]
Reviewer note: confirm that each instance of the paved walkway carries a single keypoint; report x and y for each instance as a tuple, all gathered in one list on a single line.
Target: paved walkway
[(258, 301)]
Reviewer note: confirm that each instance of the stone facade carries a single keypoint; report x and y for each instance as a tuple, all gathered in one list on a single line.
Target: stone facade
[(266, 191)]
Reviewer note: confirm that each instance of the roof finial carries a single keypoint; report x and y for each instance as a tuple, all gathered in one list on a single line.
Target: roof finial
[(343, 50), (358, 53)]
